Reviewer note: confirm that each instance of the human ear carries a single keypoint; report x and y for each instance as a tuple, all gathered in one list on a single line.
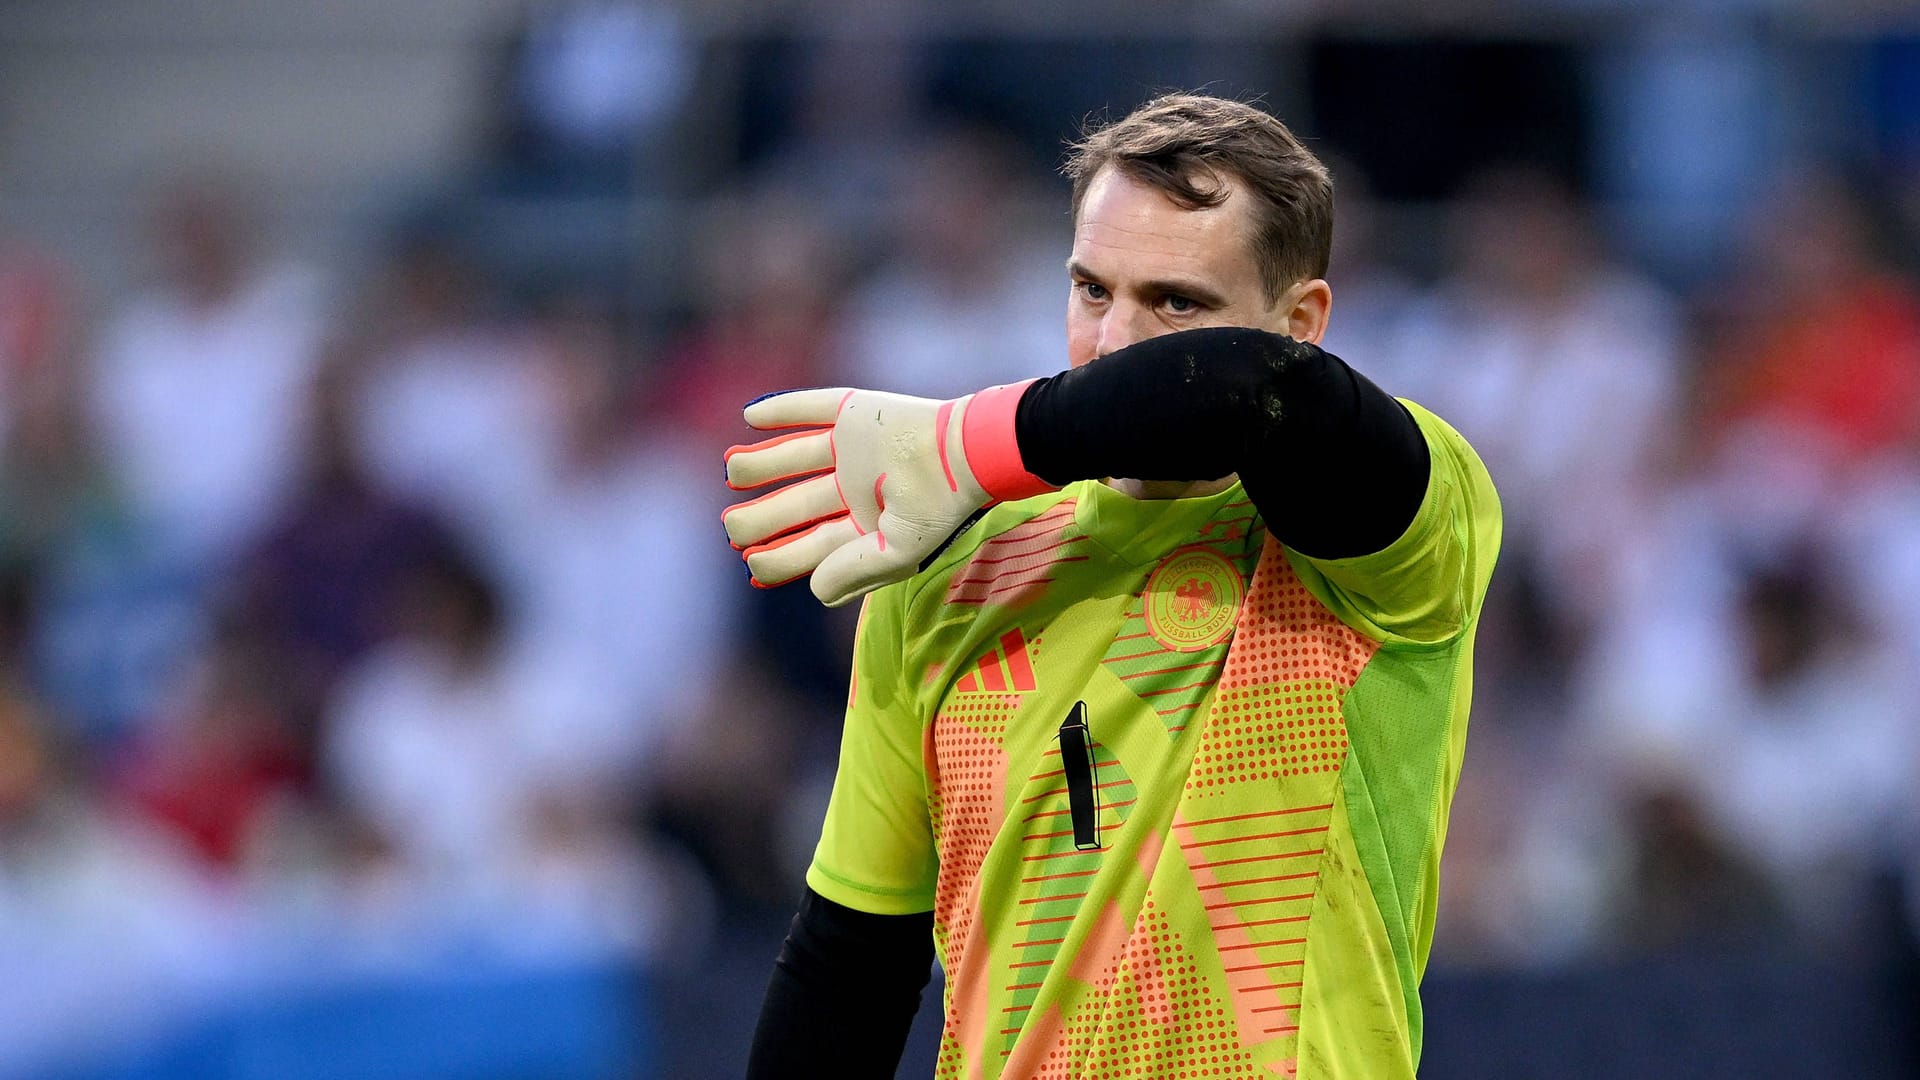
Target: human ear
[(1307, 305)]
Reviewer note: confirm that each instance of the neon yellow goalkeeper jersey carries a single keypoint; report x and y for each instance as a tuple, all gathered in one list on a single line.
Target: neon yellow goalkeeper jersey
[(1174, 793)]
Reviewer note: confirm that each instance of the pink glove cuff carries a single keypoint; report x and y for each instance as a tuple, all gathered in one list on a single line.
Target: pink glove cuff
[(991, 447)]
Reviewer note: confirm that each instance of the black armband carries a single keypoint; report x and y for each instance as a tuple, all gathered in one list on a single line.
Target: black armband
[(1336, 466)]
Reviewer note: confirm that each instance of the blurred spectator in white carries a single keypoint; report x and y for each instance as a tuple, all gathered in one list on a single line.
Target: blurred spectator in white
[(618, 590), (468, 818), (1766, 701), (1756, 666), (1571, 858), (426, 746), (199, 382), (448, 409), (1791, 677), (974, 294), (1561, 366), (1811, 412)]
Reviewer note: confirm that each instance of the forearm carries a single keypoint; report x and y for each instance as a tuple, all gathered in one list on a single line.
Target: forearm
[(843, 993), (1335, 465)]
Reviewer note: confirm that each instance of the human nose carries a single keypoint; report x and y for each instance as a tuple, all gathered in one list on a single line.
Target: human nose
[(1122, 326)]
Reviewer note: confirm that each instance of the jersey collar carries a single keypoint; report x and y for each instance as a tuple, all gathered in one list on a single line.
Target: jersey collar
[(1141, 531)]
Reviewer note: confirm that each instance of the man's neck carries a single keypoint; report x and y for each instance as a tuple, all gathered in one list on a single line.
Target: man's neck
[(1170, 489)]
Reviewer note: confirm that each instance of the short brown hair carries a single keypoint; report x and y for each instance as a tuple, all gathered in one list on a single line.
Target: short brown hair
[(1183, 143)]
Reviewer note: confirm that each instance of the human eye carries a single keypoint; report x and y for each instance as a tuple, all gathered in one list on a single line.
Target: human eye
[(1180, 305), (1092, 291)]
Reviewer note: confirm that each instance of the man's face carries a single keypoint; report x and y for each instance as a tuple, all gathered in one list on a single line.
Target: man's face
[(1143, 266)]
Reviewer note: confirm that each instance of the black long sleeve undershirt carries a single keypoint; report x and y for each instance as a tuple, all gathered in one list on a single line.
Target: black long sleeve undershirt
[(843, 993), (1336, 466)]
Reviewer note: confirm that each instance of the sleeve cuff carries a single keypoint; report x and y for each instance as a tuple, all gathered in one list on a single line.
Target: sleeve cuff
[(992, 448), (864, 898)]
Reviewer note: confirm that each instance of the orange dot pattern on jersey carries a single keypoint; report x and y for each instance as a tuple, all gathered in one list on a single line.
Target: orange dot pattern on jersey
[(967, 776), (1277, 710), (1014, 567), (952, 1062), (1154, 1018)]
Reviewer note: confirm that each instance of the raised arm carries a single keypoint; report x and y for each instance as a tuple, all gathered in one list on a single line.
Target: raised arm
[(1337, 467)]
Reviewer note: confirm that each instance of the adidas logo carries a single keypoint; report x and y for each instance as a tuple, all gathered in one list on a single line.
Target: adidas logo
[(1000, 670)]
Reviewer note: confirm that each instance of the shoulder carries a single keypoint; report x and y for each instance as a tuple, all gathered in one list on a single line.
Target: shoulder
[(1454, 459), (1461, 498), (1427, 586)]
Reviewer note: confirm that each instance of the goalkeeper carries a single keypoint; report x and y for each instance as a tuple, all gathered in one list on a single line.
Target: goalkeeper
[(1160, 687)]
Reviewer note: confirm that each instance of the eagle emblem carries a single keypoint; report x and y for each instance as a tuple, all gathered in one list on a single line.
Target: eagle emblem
[(1194, 598)]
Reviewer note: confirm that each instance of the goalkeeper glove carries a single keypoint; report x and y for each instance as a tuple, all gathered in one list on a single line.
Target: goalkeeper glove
[(889, 480)]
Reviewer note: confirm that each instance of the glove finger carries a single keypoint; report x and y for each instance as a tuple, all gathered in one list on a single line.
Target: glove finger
[(796, 554), (796, 408), (779, 458), (860, 566), (782, 511)]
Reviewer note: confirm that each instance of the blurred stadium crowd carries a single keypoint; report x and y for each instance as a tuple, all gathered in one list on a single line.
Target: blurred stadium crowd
[(376, 611)]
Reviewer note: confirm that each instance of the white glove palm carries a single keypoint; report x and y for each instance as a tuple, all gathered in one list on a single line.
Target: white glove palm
[(889, 480)]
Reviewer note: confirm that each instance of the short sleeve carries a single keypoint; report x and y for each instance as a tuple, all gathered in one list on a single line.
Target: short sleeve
[(1427, 586), (876, 852)]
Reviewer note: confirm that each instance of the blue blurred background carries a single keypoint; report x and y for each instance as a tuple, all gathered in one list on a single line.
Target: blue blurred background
[(378, 697)]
